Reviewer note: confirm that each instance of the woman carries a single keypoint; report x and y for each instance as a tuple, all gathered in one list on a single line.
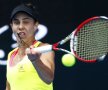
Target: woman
[(28, 70)]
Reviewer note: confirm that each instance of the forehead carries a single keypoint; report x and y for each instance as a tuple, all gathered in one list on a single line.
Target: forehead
[(22, 15)]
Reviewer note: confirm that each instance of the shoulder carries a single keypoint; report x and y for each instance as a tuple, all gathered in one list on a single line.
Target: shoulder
[(49, 54), (40, 44), (11, 52), (48, 58)]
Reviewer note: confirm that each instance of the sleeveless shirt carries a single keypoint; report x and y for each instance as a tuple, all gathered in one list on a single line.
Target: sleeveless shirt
[(23, 76)]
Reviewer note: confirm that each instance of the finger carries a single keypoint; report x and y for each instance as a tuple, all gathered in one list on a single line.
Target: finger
[(28, 51), (31, 46)]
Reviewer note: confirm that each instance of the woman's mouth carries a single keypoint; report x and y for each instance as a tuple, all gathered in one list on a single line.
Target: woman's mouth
[(21, 34)]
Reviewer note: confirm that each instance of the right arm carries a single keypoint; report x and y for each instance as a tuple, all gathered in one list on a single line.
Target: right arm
[(7, 86), (7, 83)]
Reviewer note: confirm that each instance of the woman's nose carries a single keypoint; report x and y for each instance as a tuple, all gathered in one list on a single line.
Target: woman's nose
[(21, 26)]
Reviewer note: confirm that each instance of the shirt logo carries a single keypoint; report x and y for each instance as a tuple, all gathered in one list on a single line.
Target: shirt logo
[(21, 68)]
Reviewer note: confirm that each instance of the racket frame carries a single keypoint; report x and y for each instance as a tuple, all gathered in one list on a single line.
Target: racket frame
[(73, 42)]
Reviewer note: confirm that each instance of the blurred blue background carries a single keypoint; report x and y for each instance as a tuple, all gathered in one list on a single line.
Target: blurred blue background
[(61, 17)]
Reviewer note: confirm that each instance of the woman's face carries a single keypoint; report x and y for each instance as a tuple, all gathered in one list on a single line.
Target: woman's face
[(23, 26)]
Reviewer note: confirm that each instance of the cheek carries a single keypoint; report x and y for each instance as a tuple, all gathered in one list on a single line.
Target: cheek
[(31, 30), (14, 29)]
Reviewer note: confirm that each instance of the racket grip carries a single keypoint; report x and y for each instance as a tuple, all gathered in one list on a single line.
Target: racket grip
[(43, 49)]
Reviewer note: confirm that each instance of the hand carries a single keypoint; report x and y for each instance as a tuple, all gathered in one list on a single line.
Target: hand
[(33, 55)]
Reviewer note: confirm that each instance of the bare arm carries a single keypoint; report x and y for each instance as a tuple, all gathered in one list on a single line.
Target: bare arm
[(45, 67), (7, 86), (44, 64)]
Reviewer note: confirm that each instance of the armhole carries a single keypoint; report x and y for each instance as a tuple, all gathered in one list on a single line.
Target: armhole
[(11, 53)]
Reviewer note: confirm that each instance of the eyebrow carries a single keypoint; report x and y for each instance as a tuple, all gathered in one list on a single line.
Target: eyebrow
[(22, 19)]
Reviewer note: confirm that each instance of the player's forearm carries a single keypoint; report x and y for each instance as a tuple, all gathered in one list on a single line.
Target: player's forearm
[(46, 74)]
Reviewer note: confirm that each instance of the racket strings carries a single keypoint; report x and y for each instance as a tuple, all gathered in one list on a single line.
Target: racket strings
[(93, 39)]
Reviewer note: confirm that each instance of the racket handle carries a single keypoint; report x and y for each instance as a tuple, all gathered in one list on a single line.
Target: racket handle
[(43, 49)]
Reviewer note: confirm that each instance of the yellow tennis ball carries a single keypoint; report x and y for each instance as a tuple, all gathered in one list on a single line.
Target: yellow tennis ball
[(68, 60)]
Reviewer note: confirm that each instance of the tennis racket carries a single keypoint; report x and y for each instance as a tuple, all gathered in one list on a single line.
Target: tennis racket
[(88, 41)]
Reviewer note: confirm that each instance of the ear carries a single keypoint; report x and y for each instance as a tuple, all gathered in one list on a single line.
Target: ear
[(11, 24), (36, 26), (37, 23)]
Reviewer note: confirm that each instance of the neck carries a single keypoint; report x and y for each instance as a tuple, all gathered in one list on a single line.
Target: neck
[(25, 44)]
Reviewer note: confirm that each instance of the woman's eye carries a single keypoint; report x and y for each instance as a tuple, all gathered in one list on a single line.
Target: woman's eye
[(15, 22), (25, 22)]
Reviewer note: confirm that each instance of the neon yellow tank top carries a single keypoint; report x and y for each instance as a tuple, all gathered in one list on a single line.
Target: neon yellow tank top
[(23, 76)]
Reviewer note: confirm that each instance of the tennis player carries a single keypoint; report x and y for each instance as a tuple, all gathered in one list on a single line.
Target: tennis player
[(28, 70)]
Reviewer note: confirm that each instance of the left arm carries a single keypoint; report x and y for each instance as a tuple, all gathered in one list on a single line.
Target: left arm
[(45, 67), (44, 64)]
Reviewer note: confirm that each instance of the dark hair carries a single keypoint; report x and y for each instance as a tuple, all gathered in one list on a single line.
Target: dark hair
[(27, 8)]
